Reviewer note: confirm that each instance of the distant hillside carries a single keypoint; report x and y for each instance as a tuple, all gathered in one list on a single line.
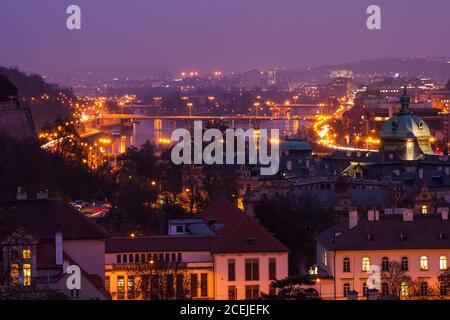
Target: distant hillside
[(437, 67), (34, 86)]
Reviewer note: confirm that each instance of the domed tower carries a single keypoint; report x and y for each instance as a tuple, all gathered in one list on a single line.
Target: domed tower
[(406, 135)]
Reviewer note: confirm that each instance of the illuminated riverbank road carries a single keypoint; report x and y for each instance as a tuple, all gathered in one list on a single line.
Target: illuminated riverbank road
[(200, 117)]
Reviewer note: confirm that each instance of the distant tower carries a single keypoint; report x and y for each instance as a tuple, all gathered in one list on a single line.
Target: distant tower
[(406, 135)]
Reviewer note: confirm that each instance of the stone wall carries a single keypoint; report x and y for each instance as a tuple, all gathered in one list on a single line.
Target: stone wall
[(16, 121)]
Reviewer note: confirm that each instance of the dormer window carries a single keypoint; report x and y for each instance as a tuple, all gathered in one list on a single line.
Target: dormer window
[(370, 237), (442, 235), (403, 236), (394, 125)]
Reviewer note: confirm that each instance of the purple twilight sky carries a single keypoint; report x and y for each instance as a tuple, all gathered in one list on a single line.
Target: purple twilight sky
[(205, 35)]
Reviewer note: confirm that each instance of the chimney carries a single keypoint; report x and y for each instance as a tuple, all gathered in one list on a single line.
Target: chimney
[(420, 173), (21, 195), (408, 215), (443, 212), (58, 246), (352, 219)]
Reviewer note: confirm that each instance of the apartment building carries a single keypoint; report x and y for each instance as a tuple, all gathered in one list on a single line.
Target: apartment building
[(224, 254)]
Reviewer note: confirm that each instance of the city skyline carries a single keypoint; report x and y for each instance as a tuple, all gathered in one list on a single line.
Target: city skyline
[(156, 37)]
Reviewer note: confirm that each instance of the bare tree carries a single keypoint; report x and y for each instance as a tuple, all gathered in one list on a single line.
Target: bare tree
[(13, 240), (162, 280), (394, 278), (421, 290)]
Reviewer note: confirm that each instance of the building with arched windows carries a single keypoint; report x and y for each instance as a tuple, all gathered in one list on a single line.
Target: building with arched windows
[(362, 254)]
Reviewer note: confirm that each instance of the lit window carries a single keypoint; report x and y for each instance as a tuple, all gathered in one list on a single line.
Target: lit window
[(365, 264), (423, 263), (443, 263), (424, 209), (27, 275), (26, 254), (14, 274), (404, 289)]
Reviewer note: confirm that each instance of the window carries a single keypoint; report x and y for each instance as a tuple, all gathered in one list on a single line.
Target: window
[(130, 258), (251, 292), (251, 269), (14, 274), (27, 275), (346, 264), (443, 263), (424, 288), (107, 284), (385, 289), (404, 264), (26, 254), (143, 258), (14, 255), (365, 289), (424, 209), (74, 293), (325, 258), (136, 258), (179, 286), (346, 289), (385, 264), (232, 293), (404, 289), (119, 258), (169, 286), (365, 264), (424, 263), (443, 288), (272, 269), (125, 258), (167, 257), (179, 257), (174, 257), (231, 270), (120, 287), (180, 229), (130, 288), (204, 284), (194, 285)]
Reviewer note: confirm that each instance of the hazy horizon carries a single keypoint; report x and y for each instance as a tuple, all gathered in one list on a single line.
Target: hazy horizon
[(202, 35)]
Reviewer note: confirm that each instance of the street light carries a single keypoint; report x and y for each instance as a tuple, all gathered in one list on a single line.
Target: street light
[(256, 105)]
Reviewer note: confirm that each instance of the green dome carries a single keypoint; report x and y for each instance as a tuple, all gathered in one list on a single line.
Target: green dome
[(405, 125)]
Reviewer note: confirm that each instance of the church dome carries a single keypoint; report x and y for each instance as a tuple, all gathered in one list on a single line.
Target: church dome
[(405, 125)]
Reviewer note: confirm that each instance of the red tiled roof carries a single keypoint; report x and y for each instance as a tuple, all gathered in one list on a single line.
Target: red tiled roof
[(241, 233)]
